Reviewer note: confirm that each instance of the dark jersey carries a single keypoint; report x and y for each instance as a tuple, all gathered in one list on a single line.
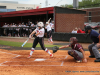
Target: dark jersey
[(76, 47), (94, 36)]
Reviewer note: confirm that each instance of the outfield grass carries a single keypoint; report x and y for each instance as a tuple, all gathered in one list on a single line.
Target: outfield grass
[(18, 44)]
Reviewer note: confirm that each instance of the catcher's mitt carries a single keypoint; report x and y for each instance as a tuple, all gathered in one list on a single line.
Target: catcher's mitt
[(55, 48)]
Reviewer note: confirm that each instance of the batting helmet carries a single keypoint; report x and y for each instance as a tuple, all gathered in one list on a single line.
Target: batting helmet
[(40, 24), (74, 40)]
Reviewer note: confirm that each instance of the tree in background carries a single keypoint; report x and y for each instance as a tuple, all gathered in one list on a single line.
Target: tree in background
[(85, 4), (67, 6)]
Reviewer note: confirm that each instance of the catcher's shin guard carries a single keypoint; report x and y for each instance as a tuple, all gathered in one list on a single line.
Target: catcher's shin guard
[(55, 49), (75, 55)]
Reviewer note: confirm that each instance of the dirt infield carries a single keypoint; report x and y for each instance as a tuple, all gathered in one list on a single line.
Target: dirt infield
[(17, 63)]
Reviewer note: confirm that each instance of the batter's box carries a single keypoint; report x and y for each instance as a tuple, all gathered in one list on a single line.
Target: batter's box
[(33, 63), (41, 56)]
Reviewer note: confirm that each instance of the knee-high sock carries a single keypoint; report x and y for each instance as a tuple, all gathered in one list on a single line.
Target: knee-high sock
[(32, 50), (51, 38), (47, 51)]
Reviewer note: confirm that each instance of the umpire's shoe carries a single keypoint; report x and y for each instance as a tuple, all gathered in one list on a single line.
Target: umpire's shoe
[(97, 60), (91, 56)]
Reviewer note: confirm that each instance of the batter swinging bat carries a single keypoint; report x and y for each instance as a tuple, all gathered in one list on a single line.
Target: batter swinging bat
[(25, 42)]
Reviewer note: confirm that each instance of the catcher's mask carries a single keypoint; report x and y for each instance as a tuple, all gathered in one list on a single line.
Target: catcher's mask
[(73, 40)]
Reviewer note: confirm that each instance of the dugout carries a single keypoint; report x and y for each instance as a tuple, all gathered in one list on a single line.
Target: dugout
[(65, 19)]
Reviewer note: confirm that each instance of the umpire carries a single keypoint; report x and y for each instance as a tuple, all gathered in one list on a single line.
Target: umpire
[(93, 48)]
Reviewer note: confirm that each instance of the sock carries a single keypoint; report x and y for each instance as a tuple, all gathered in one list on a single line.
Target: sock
[(51, 38), (47, 51), (32, 50)]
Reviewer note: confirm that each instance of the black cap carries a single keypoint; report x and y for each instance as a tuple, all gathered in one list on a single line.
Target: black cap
[(88, 28)]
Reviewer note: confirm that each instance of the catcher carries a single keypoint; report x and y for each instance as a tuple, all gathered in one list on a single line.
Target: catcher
[(77, 50)]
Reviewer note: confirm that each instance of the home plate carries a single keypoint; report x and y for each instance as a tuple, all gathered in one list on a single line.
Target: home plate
[(39, 59)]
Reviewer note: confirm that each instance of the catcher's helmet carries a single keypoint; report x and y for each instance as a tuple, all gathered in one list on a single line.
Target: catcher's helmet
[(74, 40), (40, 24)]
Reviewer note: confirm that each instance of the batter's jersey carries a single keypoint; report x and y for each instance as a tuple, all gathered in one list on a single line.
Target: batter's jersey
[(48, 27), (76, 47), (41, 31)]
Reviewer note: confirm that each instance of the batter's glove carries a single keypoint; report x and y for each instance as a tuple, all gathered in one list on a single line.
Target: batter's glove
[(55, 48)]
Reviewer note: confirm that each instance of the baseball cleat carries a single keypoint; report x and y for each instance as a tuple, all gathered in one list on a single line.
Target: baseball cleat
[(29, 56), (91, 56), (51, 42), (51, 55), (97, 60), (78, 61)]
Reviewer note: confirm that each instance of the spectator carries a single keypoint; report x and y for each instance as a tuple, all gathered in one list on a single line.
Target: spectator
[(75, 30), (80, 31)]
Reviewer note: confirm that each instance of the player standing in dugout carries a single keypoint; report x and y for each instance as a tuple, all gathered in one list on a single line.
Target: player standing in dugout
[(39, 38), (49, 31)]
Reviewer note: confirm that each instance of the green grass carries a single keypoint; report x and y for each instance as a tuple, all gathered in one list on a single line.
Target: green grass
[(18, 44)]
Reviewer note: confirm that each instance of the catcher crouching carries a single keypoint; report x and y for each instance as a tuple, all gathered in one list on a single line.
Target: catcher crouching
[(77, 51)]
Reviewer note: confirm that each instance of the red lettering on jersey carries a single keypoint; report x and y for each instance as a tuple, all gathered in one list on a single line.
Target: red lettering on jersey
[(37, 31)]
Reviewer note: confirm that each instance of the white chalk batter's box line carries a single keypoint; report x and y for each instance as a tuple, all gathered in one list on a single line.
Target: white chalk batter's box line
[(38, 57), (8, 53), (33, 61), (45, 65), (30, 61)]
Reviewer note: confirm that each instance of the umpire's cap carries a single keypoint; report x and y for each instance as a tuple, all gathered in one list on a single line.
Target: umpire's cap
[(87, 28)]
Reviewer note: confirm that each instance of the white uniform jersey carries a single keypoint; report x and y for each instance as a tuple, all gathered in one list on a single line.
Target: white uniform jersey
[(24, 26), (27, 28), (5, 26), (48, 27), (13, 25), (32, 25), (18, 28), (74, 31), (52, 25), (41, 31)]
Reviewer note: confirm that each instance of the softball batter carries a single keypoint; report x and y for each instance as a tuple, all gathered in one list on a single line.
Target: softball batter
[(39, 38)]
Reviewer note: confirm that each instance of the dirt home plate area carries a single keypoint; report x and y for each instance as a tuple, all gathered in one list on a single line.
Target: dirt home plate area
[(16, 63)]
